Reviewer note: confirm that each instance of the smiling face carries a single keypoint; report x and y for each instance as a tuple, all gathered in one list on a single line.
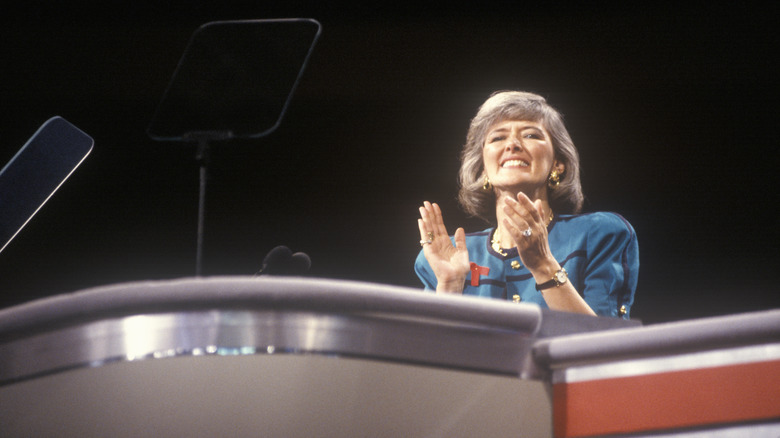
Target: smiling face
[(518, 156)]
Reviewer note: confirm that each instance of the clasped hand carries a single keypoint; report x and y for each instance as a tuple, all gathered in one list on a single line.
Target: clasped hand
[(525, 222), (450, 263)]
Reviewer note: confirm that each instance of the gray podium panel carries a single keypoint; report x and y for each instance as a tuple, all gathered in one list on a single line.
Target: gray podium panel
[(245, 315), (278, 395)]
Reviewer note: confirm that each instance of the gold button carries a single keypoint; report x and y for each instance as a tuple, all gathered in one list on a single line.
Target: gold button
[(622, 310), (515, 298), (515, 264)]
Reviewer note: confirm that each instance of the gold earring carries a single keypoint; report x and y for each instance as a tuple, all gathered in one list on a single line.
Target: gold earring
[(554, 179), (486, 185)]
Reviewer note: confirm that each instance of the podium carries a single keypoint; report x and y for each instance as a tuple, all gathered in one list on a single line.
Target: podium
[(276, 356)]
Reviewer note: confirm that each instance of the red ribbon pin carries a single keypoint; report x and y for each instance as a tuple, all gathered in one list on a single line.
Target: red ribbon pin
[(476, 271)]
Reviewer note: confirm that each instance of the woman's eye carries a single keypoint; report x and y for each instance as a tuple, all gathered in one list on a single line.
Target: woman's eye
[(533, 135), (497, 138)]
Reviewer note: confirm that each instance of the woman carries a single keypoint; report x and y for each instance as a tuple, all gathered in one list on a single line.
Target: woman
[(520, 169)]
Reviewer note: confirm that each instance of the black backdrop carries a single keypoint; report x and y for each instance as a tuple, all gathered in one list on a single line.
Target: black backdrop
[(674, 111)]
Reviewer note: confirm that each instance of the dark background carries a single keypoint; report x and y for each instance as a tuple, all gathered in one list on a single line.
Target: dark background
[(673, 109)]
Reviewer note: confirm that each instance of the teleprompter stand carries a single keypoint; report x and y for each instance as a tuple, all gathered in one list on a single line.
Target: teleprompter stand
[(234, 80)]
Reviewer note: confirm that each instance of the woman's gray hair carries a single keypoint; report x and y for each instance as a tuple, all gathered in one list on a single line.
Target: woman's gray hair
[(566, 198)]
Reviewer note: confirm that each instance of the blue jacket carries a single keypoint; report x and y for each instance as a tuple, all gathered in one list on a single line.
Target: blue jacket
[(599, 251)]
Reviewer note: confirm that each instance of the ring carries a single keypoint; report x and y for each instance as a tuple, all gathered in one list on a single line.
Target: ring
[(424, 242), (527, 233), (430, 236)]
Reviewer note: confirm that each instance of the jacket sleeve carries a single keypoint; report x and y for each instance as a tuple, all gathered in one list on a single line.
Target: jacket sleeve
[(612, 268)]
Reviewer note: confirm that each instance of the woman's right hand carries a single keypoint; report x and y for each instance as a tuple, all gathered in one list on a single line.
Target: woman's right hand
[(450, 263)]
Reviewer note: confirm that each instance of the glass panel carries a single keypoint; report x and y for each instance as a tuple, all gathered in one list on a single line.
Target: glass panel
[(234, 79), (39, 168)]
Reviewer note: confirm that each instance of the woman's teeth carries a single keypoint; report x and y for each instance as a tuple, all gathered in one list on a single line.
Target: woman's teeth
[(514, 163)]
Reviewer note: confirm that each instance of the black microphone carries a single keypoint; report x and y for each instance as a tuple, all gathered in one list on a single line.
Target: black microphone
[(274, 260), (281, 261), (300, 263)]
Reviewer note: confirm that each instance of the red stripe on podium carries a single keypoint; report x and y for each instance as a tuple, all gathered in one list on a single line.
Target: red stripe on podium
[(678, 399)]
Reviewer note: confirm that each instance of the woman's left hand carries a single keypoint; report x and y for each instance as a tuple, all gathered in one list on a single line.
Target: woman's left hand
[(524, 217)]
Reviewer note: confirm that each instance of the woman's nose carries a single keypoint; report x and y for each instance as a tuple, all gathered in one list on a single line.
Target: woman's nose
[(514, 143)]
